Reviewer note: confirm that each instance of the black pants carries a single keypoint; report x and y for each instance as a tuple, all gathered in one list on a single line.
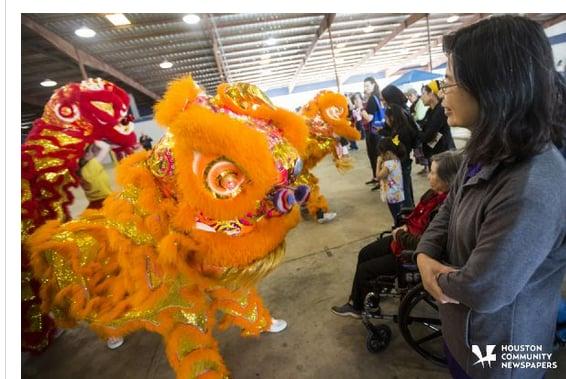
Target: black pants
[(371, 145), (407, 184), (373, 260)]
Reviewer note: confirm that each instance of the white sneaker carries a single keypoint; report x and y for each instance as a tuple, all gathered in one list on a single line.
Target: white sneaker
[(277, 326), (114, 342), (326, 217)]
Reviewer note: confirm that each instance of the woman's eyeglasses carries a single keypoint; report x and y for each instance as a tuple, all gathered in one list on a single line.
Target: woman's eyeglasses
[(443, 86)]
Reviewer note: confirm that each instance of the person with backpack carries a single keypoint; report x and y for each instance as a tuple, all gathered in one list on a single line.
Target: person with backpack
[(373, 120)]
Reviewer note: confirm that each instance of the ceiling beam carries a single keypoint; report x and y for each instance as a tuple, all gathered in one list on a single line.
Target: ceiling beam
[(419, 53), (82, 56), (217, 49), (554, 20), (324, 25), (394, 33)]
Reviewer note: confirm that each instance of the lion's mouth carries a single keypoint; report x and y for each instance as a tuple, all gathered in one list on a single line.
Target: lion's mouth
[(249, 275), (278, 202)]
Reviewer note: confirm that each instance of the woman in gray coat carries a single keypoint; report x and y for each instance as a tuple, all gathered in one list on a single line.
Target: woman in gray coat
[(494, 257)]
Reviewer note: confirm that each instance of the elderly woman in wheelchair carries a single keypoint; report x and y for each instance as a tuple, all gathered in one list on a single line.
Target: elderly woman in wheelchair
[(383, 270)]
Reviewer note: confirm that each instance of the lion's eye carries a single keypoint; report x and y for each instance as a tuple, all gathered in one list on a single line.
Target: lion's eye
[(224, 178), (335, 113), (67, 113)]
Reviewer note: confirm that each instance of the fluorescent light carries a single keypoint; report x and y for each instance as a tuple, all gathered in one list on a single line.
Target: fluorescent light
[(118, 19), (341, 45), (85, 32), (191, 19), (166, 64), (270, 41), (267, 72), (48, 83), (368, 29), (453, 18)]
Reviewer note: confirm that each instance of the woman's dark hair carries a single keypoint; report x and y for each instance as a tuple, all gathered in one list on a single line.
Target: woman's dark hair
[(398, 116), (427, 89), (393, 95), (448, 163), (375, 91), (522, 99), (386, 144)]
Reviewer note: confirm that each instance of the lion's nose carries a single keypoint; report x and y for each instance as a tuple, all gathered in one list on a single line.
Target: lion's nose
[(285, 198)]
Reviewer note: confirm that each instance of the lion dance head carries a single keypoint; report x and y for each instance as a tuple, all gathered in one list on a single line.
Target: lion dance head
[(327, 118), (200, 219)]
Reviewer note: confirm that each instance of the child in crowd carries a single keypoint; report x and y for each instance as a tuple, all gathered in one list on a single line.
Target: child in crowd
[(356, 104), (389, 173)]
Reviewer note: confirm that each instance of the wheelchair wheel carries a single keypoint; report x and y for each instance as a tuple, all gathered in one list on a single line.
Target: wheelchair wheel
[(419, 324), (378, 338)]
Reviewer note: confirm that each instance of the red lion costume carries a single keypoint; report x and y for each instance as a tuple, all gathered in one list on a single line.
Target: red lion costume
[(75, 116)]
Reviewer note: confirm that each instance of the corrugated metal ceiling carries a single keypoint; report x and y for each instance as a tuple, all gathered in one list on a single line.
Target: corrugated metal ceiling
[(269, 50)]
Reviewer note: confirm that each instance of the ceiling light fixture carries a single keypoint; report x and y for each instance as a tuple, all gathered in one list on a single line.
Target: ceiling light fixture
[(191, 19), (368, 29), (452, 19), (118, 19), (166, 64), (341, 45), (85, 32), (270, 41), (48, 83)]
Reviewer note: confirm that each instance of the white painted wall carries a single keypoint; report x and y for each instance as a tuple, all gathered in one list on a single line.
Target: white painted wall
[(149, 127)]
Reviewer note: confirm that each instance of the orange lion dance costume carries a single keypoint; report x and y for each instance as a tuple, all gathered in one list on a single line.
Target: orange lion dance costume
[(327, 118), (75, 116), (200, 219)]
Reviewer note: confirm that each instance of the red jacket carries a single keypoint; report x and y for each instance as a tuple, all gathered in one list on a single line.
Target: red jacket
[(417, 222)]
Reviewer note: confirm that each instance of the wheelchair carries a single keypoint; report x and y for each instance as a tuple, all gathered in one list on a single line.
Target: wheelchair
[(417, 314)]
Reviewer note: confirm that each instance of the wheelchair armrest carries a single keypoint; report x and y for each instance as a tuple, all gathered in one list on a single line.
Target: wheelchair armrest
[(407, 255), (406, 260)]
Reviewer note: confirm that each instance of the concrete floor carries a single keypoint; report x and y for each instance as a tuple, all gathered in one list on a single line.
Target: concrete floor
[(316, 274)]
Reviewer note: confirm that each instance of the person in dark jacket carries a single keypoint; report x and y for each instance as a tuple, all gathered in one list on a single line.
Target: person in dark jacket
[(379, 257), (436, 135), (494, 257), (401, 122)]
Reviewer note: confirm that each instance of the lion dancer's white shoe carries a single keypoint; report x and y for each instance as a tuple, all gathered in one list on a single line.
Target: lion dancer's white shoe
[(277, 326), (114, 342)]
